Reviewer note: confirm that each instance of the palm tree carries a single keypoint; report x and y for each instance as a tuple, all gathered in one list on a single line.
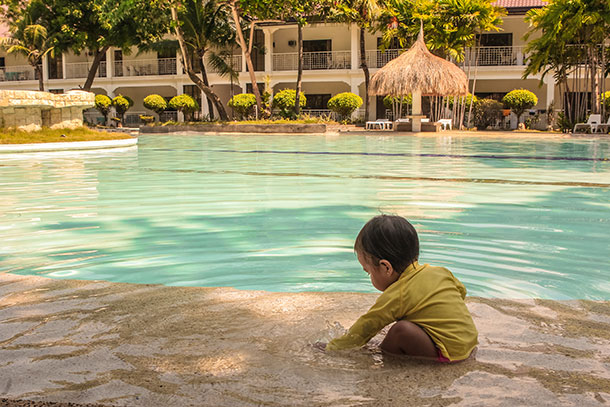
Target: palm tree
[(32, 41), (573, 37), (206, 27), (364, 14), (201, 26)]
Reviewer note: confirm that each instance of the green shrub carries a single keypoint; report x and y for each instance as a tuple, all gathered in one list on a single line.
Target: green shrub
[(606, 100), (284, 101), (121, 105), (103, 104), (156, 103), (519, 100), (185, 104), (486, 113), (344, 103), (243, 104)]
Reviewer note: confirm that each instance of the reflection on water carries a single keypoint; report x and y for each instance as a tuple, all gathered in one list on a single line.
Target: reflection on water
[(511, 218)]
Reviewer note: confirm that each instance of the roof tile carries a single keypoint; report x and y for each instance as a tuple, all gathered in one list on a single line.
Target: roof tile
[(520, 3)]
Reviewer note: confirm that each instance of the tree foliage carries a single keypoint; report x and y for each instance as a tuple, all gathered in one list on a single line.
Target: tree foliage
[(103, 104), (344, 104), (121, 105), (156, 103), (487, 112), (284, 102), (519, 100), (243, 104), (185, 104)]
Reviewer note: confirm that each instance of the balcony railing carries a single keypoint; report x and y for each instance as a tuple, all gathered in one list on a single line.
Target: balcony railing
[(17, 73), (313, 60), (145, 67), (377, 58), (496, 56), (81, 70)]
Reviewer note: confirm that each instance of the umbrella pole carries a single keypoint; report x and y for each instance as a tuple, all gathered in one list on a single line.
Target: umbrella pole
[(416, 111)]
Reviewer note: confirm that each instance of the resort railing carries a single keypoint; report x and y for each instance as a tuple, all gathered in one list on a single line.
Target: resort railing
[(81, 70), (168, 116), (17, 73), (495, 56), (377, 58), (312, 60), (145, 67)]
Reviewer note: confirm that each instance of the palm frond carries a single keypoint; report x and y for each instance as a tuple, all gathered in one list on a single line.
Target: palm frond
[(221, 63)]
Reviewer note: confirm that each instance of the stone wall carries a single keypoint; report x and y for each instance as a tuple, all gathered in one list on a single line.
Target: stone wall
[(31, 110)]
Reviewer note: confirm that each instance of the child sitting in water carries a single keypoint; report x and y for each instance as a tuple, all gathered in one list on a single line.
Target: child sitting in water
[(426, 302)]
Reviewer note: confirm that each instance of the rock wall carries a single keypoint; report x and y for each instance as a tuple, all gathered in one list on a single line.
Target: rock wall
[(32, 110)]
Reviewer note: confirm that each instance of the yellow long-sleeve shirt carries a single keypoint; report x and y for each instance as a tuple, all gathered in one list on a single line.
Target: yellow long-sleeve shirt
[(428, 296)]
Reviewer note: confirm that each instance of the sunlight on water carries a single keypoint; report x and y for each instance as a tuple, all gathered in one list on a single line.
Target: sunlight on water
[(511, 218)]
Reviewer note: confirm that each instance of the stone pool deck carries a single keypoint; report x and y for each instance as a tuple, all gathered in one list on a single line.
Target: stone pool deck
[(70, 341)]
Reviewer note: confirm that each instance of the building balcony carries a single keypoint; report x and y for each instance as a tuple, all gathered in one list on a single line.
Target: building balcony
[(376, 58), (81, 70), (496, 56), (322, 60), (17, 73), (145, 67)]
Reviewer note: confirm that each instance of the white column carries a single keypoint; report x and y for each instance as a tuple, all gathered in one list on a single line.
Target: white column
[(550, 89), (63, 66), (416, 126), (243, 62), (354, 90), (180, 91), (178, 62), (268, 49), (355, 45), (204, 104), (109, 63)]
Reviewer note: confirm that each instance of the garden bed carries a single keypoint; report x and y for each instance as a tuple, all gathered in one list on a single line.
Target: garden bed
[(12, 136), (266, 128)]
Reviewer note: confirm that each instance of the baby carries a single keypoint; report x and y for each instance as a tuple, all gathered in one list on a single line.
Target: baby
[(425, 302)]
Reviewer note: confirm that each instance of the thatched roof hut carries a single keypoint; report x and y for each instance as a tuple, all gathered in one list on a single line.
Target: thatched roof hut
[(418, 70)]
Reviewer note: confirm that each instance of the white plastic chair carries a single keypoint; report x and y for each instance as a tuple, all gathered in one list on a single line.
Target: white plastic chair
[(592, 122), (602, 127), (445, 123)]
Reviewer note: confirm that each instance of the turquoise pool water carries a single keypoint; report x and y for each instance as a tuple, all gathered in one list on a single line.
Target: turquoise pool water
[(511, 218)]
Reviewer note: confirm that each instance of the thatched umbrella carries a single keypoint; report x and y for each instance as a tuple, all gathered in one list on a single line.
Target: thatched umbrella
[(419, 72)]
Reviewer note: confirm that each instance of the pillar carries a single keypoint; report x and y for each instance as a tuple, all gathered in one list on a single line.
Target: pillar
[(45, 69), (179, 69), (109, 63), (268, 49), (416, 120), (355, 46), (63, 66)]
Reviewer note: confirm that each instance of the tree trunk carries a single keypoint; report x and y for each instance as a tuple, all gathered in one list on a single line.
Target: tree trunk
[(204, 78), (191, 73), (594, 83), (297, 99), (38, 70), (367, 77), (99, 54), (246, 50), (474, 81)]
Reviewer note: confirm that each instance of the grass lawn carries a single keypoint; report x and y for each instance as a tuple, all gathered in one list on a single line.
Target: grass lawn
[(11, 136)]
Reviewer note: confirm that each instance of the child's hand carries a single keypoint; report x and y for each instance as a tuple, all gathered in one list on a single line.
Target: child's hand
[(320, 345)]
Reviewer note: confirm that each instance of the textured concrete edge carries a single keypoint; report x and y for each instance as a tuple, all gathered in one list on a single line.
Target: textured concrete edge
[(285, 128), (73, 145)]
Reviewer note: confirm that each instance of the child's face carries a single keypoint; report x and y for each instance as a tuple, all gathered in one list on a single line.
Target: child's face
[(382, 275)]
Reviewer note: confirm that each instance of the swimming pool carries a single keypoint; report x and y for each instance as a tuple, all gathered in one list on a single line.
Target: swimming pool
[(512, 218)]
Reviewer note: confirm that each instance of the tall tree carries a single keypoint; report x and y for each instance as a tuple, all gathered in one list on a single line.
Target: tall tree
[(190, 71), (573, 34), (451, 26), (363, 13), (29, 37), (205, 26)]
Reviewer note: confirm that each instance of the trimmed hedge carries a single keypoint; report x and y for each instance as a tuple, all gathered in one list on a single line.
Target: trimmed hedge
[(243, 104), (121, 105), (519, 100), (284, 101), (487, 112), (103, 104), (344, 103), (156, 103), (185, 104)]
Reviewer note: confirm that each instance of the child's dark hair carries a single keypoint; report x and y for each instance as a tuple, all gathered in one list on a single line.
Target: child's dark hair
[(391, 238)]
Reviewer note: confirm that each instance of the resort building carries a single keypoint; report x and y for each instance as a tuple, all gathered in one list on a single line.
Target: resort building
[(331, 66)]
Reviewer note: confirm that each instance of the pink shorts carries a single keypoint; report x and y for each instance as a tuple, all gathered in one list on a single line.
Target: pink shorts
[(442, 359)]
